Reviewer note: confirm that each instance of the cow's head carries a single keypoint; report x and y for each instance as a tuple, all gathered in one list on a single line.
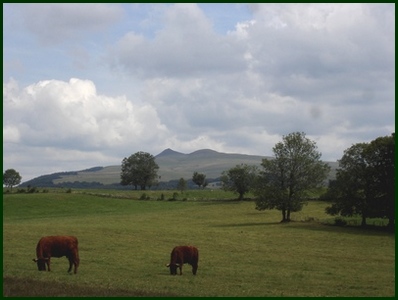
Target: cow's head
[(173, 268), (41, 263)]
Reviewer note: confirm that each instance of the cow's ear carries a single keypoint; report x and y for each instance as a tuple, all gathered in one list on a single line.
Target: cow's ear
[(35, 260), (168, 265)]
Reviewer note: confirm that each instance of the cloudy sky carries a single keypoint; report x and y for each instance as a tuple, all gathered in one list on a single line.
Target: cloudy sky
[(86, 85)]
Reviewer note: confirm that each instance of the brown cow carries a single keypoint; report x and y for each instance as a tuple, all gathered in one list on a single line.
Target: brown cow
[(57, 246), (183, 255)]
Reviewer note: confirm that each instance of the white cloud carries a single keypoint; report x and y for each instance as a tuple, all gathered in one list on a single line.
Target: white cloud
[(185, 46), (10, 134), (72, 115), (57, 23)]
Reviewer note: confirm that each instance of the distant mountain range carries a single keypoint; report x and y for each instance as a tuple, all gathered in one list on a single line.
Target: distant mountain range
[(173, 165)]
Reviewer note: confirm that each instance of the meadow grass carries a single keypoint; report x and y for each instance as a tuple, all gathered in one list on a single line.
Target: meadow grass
[(124, 245)]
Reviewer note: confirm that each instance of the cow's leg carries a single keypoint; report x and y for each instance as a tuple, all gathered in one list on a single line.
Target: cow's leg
[(48, 264), (194, 269), (76, 262), (180, 269), (70, 264)]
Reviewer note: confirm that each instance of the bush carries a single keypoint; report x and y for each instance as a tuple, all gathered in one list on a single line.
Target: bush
[(340, 222), (175, 197), (144, 197), (33, 190)]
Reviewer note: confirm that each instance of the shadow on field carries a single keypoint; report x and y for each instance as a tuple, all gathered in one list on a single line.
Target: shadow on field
[(315, 226), (26, 287), (219, 201), (247, 224)]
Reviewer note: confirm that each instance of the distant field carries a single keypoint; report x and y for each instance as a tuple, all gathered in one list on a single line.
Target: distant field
[(125, 244)]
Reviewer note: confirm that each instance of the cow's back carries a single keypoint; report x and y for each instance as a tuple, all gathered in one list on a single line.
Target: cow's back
[(57, 246), (185, 254), (191, 255)]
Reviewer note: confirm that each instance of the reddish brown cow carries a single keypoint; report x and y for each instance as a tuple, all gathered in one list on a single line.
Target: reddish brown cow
[(183, 255), (57, 246)]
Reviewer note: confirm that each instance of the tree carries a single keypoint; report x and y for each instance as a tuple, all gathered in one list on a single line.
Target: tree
[(239, 179), (199, 179), (11, 178), (349, 190), (381, 159), (365, 181), (285, 180), (182, 185), (140, 169)]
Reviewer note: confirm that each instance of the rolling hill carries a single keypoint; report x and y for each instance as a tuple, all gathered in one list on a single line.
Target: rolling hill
[(173, 165)]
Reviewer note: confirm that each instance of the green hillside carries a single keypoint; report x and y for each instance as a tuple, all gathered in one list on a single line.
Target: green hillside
[(172, 166)]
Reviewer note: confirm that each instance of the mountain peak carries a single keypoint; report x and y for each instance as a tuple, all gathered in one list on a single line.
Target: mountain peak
[(204, 152), (168, 152)]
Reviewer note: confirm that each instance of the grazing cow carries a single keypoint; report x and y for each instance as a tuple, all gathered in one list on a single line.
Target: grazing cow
[(57, 246), (183, 255)]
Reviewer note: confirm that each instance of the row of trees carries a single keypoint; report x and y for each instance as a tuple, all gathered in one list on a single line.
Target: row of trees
[(364, 182)]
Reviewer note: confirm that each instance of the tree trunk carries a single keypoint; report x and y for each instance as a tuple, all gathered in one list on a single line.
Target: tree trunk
[(391, 224), (363, 223), (283, 215), (288, 216)]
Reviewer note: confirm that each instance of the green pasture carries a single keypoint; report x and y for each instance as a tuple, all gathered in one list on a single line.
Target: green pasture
[(125, 243)]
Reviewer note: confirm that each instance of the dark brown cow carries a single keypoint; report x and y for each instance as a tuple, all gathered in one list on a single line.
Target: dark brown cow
[(183, 255), (57, 246)]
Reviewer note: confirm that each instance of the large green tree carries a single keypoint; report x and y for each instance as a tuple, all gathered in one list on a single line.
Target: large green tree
[(285, 179), (11, 178), (239, 179), (365, 181), (139, 170)]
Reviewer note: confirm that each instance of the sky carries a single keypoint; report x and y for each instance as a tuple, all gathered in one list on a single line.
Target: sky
[(87, 85)]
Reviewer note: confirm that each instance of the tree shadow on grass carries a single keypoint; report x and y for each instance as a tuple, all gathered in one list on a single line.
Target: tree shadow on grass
[(219, 201), (248, 224), (316, 226)]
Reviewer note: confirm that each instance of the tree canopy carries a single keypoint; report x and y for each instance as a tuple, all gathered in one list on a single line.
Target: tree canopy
[(11, 178), (140, 169), (239, 179), (182, 185), (199, 179), (365, 181), (285, 179)]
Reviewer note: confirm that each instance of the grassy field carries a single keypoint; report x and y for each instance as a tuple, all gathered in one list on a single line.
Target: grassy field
[(124, 245)]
